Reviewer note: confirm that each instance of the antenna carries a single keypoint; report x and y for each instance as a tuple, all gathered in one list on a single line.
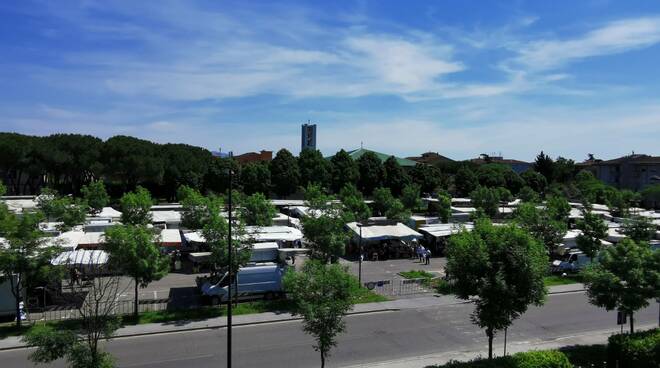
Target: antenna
[(360, 144)]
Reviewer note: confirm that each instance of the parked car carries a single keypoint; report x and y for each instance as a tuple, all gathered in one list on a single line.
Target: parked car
[(573, 262), (7, 300), (262, 280)]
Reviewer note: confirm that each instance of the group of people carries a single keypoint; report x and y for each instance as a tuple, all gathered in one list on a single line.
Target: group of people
[(423, 254)]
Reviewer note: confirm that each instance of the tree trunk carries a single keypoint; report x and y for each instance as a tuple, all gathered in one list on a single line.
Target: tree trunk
[(18, 313), (322, 359), (489, 333), (632, 323), (135, 305)]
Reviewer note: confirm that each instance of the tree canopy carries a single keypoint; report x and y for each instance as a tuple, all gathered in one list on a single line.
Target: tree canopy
[(256, 210), (343, 171), (284, 173), (314, 168), (371, 172), (136, 207), (394, 177)]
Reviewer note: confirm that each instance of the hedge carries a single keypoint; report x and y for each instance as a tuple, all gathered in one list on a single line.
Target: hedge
[(638, 350), (530, 359)]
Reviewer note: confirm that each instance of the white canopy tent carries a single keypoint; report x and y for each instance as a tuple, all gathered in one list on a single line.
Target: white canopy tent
[(398, 231)]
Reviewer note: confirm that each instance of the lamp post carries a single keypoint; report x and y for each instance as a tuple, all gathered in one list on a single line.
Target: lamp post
[(229, 258), (359, 225)]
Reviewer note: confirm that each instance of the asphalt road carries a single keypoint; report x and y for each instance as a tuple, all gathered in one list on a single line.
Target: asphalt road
[(369, 338)]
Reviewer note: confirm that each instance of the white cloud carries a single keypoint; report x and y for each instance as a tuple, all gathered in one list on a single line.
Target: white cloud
[(615, 37)]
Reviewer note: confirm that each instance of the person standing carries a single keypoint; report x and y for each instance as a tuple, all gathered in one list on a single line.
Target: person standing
[(427, 255)]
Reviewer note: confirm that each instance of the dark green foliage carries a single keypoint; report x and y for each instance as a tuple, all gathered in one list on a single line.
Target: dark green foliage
[(545, 166), (324, 227), (255, 178), (135, 207), (394, 176), (443, 207), (256, 210), (411, 196), (197, 208), (314, 169), (131, 161), (504, 266), (284, 173), (96, 196), (354, 207), (322, 295), (625, 278), (183, 165), (371, 172), (486, 200), (386, 205), (620, 201), (530, 359), (217, 177), (428, 177), (559, 208), (639, 229), (465, 181), (651, 196), (343, 170), (534, 180), (215, 231), (564, 170), (593, 230), (528, 194), (637, 350), (541, 224)]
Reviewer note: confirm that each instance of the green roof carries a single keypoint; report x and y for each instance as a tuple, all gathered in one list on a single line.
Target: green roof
[(355, 154)]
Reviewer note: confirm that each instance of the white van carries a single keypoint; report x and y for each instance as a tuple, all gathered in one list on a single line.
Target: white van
[(264, 280)]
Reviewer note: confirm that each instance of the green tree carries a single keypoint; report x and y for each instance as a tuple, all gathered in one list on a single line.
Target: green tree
[(255, 178), (216, 235), (465, 181), (284, 173), (196, 208), (625, 278), (394, 176), (131, 161), (324, 227), (593, 230), (321, 294), (528, 194), (66, 210), (134, 250), (444, 207), (486, 200), (558, 208), (411, 197), (428, 177), (343, 171), (639, 229), (386, 205), (564, 170), (651, 196), (24, 256), (256, 210), (95, 196), (534, 180), (355, 208), (504, 267), (371, 172), (136, 207), (620, 201), (541, 224), (314, 169), (545, 166)]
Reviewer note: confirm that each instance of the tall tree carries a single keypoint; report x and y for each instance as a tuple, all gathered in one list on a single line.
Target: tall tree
[(428, 177), (131, 161), (504, 267), (343, 171), (394, 177), (651, 196), (314, 169), (533, 179), (545, 165), (443, 207), (593, 230), (96, 196), (558, 208), (639, 229), (564, 170), (196, 208), (541, 224), (256, 210), (411, 196), (284, 173), (66, 210), (355, 209), (386, 205), (136, 207), (216, 235), (324, 227), (625, 278), (24, 255), (371, 172), (134, 250), (465, 181), (529, 195), (255, 178), (486, 200), (184, 165), (321, 294)]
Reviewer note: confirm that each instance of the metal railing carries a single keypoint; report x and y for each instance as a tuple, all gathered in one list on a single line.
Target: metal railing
[(399, 287)]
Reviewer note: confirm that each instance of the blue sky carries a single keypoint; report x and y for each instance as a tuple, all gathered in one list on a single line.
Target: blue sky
[(455, 77)]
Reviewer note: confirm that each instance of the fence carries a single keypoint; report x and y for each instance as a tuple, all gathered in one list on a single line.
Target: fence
[(399, 287), (117, 308)]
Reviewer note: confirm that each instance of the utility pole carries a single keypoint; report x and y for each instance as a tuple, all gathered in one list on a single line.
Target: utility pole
[(359, 224), (229, 257)]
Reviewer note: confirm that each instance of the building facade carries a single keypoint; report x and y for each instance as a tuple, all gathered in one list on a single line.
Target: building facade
[(634, 172), (308, 137)]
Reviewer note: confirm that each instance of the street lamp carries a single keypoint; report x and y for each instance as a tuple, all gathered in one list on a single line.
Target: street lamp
[(359, 225), (229, 254)]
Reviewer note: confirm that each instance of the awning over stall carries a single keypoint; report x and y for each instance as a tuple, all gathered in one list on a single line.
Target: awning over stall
[(385, 232)]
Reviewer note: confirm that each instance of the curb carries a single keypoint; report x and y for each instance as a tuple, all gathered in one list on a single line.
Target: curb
[(212, 327)]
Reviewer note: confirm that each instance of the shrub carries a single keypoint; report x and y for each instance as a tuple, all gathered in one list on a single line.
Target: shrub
[(530, 359), (639, 350)]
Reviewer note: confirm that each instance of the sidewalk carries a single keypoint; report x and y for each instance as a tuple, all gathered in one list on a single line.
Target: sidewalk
[(587, 338), (427, 301)]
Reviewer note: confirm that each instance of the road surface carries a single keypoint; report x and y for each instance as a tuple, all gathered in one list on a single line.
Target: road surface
[(369, 338)]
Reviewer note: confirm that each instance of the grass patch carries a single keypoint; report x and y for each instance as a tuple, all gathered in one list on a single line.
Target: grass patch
[(416, 274), (555, 280)]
